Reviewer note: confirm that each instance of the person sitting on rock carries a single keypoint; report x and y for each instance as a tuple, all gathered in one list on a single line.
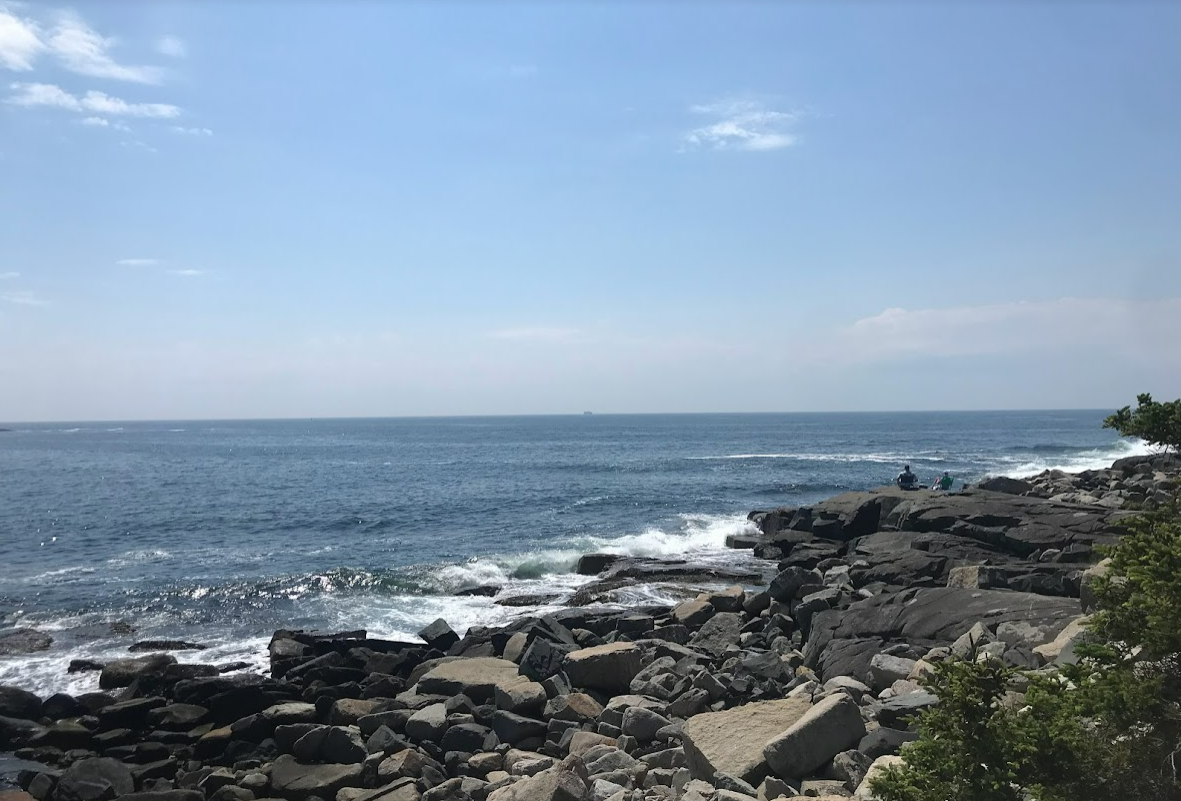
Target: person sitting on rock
[(944, 482), (906, 479)]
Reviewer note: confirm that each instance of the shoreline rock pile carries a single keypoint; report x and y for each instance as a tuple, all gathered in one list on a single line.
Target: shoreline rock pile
[(800, 685)]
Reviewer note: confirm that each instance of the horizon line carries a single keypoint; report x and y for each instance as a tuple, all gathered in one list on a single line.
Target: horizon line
[(107, 421)]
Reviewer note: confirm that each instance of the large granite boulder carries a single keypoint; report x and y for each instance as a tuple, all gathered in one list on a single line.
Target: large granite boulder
[(609, 667), (731, 741), (18, 703), (825, 730), (122, 672), (94, 779), (479, 678), (296, 782)]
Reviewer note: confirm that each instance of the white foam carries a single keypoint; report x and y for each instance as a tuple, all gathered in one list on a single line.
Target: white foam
[(1094, 459)]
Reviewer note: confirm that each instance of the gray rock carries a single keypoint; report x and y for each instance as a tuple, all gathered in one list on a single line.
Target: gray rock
[(122, 672), (831, 726), (718, 633), (18, 703), (343, 746), (296, 782), (513, 728), (643, 723), (885, 670), (728, 741), (428, 724), (439, 635), (94, 779), (23, 641), (609, 668)]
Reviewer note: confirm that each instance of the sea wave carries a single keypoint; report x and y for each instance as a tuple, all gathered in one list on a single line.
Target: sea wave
[(1074, 461)]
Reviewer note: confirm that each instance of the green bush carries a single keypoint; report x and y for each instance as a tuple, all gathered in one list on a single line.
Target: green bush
[(1158, 424)]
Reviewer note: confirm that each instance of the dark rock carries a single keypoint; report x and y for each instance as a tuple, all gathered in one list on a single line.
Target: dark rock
[(901, 709), (592, 564), (844, 641), (718, 633), (129, 714), (514, 729), (885, 741), (166, 645), (18, 703), (1009, 486), (122, 672), (94, 779), (84, 666), (485, 590), (61, 705), (23, 641), (439, 635)]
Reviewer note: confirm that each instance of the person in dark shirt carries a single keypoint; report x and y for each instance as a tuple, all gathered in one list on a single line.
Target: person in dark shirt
[(907, 479)]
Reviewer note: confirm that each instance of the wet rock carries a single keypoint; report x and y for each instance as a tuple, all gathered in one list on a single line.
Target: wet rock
[(439, 635), (122, 672), (18, 703), (23, 641), (166, 645)]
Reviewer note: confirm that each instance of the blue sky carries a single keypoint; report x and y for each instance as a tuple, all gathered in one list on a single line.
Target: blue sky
[(332, 209)]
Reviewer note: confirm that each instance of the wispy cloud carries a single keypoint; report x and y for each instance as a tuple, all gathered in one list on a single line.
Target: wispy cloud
[(20, 42), (191, 131), (537, 334), (9, 276), (47, 94), (23, 299), (1013, 327), (138, 262), (187, 273), (741, 125), (171, 46), (83, 50)]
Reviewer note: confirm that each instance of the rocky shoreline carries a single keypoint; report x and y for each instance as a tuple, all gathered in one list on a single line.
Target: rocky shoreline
[(797, 680)]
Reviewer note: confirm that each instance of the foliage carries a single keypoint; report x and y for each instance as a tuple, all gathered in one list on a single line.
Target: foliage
[(1158, 424), (1108, 727)]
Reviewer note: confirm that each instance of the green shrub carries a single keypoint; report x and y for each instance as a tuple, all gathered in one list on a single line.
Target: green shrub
[(1158, 424)]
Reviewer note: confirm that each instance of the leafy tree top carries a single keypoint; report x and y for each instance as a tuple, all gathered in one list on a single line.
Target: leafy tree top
[(1158, 424)]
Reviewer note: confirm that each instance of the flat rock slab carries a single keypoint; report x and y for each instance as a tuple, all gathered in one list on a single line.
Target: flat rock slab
[(732, 741), (843, 642), (478, 678)]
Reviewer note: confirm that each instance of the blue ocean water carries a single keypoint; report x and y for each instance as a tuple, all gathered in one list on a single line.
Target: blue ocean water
[(221, 532)]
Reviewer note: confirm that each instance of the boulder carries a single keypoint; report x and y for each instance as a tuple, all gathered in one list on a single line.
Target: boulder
[(825, 730), (879, 766), (478, 678), (609, 667), (718, 633), (730, 741), (296, 782), (977, 577), (592, 564), (693, 613), (428, 723), (567, 781), (18, 703), (1009, 486), (122, 672), (439, 635), (94, 779)]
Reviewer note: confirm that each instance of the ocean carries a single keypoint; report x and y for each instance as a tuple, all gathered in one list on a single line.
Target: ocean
[(221, 532)]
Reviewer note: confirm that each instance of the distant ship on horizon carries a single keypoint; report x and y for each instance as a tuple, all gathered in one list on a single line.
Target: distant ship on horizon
[(588, 412)]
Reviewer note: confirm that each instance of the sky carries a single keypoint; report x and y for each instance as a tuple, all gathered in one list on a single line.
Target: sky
[(330, 209)]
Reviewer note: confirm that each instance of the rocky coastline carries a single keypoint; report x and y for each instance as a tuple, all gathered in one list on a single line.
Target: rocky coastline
[(795, 677)]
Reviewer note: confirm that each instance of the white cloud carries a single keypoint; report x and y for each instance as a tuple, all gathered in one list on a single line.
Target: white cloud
[(187, 273), (138, 262), (84, 51), (22, 299), (539, 334), (97, 122), (742, 125), (1142, 326), (9, 276), (171, 46), (45, 94), (20, 42), (192, 131)]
